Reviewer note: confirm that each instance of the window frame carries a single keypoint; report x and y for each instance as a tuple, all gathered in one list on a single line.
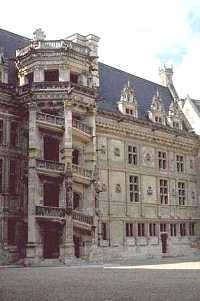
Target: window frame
[(132, 155), (164, 190), (134, 189), (181, 193)]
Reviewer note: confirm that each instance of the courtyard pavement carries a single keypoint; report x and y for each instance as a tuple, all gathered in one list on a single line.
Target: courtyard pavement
[(168, 280)]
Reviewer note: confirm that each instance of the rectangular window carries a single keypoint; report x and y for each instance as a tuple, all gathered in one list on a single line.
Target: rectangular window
[(141, 230), (13, 177), (192, 229), (1, 175), (104, 231), (13, 134), (180, 163), (181, 193), (134, 189), (173, 229), (162, 160), (1, 131), (182, 229), (129, 230), (51, 75), (163, 191), (152, 229), (132, 155), (163, 228)]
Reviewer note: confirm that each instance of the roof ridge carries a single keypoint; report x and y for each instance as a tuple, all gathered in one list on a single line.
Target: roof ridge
[(134, 75), (14, 34)]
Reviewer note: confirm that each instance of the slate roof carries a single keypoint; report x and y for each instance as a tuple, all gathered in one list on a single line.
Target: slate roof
[(113, 80), (10, 42)]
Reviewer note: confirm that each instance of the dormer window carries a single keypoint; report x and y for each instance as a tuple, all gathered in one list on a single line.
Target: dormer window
[(158, 119), (175, 116), (128, 102), (51, 75), (157, 111)]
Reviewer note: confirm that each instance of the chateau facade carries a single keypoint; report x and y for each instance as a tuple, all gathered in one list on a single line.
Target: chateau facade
[(95, 163)]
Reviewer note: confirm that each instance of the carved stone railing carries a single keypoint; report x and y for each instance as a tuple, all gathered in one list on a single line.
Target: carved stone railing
[(53, 44), (50, 165), (54, 85), (81, 126), (57, 120), (46, 211), (6, 88), (10, 204), (81, 217), (81, 171)]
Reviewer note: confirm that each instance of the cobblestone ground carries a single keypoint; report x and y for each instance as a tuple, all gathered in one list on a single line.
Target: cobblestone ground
[(166, 282)]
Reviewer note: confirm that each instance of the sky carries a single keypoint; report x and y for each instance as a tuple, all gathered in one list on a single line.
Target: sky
[(137, 36)]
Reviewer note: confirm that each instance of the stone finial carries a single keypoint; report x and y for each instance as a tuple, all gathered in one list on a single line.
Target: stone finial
[(39, 34)]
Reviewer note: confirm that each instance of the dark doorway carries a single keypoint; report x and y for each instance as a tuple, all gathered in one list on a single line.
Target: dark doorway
[(51, 194), (51, 243), (75, 156), (164, 242), (76, 201), (51, 75), (77, 246), (51, 149)]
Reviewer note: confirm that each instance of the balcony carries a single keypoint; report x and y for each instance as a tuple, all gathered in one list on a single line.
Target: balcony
[(80, 220), (48, 121), (81, 175), (50, 213), (7, 88), (10, 205), (47, 167), (81, 130), (49, 86), (53, 45)]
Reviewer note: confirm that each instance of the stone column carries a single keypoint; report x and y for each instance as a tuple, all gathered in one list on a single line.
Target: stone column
[(68, 245), (32, 186)]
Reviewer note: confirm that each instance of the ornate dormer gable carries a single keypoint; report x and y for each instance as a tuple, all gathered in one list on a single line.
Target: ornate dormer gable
[(175, 117), (157, 111), (128, 103), (3, 68)]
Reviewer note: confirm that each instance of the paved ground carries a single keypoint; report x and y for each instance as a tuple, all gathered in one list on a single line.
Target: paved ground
[(152, 282)]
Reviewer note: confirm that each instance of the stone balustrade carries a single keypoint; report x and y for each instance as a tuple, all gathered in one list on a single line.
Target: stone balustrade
[(81, 217), (53, 44), (81, 171), (6, 88), (50, 165), (10, 204), (81, 126), (50, 118), (46, 211)]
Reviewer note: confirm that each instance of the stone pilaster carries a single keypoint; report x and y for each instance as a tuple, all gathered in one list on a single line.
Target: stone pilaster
[(32, 186), (68, 245)]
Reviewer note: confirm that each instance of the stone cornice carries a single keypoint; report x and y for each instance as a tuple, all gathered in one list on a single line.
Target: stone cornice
[(147, 132)]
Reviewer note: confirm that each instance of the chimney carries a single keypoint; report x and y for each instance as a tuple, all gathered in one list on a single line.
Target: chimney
[(166, 74)]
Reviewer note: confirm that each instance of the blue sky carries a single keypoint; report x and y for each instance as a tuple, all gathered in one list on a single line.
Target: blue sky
[(137, 36)]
